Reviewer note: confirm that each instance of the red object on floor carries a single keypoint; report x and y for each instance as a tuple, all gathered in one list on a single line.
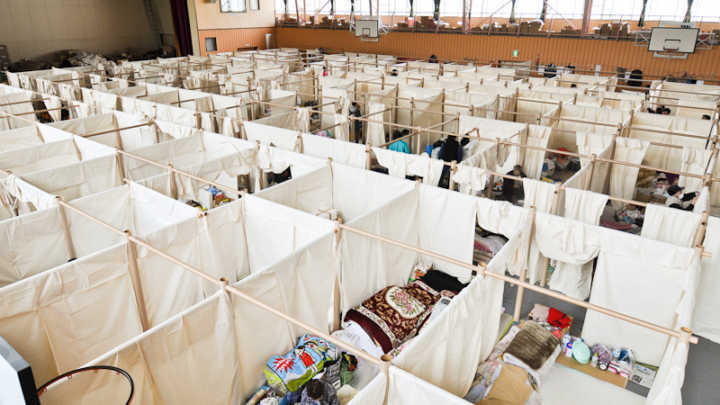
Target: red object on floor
[(558, 319)]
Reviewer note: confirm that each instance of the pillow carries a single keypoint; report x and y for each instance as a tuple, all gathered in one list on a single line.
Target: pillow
[(394, 314), (532, 346)]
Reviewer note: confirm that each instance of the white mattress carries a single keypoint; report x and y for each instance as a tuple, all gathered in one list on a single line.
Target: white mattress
[(564, 386)]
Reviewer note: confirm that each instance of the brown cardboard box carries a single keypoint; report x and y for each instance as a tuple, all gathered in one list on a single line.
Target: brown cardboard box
[(511, 387), (535, 26)]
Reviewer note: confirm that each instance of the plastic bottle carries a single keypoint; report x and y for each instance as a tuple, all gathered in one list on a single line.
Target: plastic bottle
[(594, 360), (568, 348)]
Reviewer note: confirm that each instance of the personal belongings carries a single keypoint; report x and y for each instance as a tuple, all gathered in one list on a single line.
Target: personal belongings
[(258, 395), (581, 352), (604, 355), (439, 281), (643, 375), (558, 319), (539, 313), (290, 371)]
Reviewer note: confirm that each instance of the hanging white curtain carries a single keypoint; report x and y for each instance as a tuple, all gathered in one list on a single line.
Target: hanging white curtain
[(470, 180), (658, 282), (706, 322), (540, 195), (694, 161), (569, 278), (375, 131), (623, 177), (537, 136), (670, 225)]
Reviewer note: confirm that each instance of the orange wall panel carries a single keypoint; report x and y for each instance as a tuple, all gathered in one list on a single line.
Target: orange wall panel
[(583, 53), (231, 39)]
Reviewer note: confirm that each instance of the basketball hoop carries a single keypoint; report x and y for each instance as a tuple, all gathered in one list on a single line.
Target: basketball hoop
[(673, 42), (367, 38), (68, 376)]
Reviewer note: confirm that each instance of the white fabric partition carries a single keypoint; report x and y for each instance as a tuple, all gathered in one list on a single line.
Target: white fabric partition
[(658, 283), (404, 389), (54, 321), (375, 130), (623, 177), (505, 218), (670, 225), (403, 164), (540, 195), (353, 192), (447, 226), (695, 162), (346, 153), (706, 322), (447, 350), (573, 244), (76, 180), (369, 265), (26, 137), (602, 115), (231, 241), (40, 157), (280, 137), (128, 207), (660, 156), (127, 139), (537, 136), (602, 146), (164, 360), (26, 235)]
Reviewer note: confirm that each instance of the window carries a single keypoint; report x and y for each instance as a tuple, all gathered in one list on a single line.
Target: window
[(210, 44), (706, 10), (232, 6), (570, 9), (616, 9), (254, 4)]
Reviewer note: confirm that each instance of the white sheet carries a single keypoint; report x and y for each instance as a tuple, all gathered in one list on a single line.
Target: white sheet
[(447, 226), (52, 319), (573, 279), (440, 354), (539, 137), (622, 177), (540, 195), (694, 161), (670, 225), (375, 131), (706, 321), (563, 385), (390, 265), (654, 275)]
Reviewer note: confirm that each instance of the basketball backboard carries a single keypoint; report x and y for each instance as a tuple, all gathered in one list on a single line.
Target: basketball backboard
[(679, 40)]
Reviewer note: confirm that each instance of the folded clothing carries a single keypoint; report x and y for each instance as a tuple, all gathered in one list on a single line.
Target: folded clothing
[(293, 369), (394, 314)]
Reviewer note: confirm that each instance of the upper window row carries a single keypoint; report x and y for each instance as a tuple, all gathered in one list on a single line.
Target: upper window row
[(663, 10)]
